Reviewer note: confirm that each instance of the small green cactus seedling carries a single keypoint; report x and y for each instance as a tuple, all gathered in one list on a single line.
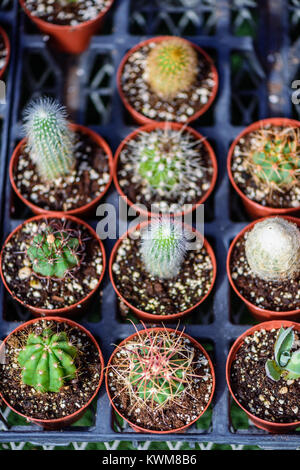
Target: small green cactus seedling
[(273, 249), (286, 363), (171, 67), (47, 361), (55, 251), (274, 159), (50, 141), (163, 247)]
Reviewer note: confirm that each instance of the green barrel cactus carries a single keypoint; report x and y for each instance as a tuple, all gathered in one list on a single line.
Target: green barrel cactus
[(50, 141), (286, 363), (47, 361)]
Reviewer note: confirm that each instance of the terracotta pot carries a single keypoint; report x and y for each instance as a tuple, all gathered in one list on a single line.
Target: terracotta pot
[(260, 313), (254, 209), (7, 47), (260, 423), (82, 211), (162, 125), (52, 424), (72, 310), (178, 430), (149, 317), (139, 117), (71, 39)]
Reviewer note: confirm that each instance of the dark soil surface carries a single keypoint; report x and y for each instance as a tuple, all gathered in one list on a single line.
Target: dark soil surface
[(262, 396)]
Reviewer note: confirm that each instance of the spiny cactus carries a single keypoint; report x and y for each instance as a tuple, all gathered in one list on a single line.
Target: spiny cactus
[(55, 251), (273, 249), (274, 158), (171, 67), (155, 368), (286, 363), (47, 361), (163, 247), (50, 141)]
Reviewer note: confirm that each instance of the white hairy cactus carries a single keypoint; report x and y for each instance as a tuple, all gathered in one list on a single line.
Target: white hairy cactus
[(50, 141), (273, 249)]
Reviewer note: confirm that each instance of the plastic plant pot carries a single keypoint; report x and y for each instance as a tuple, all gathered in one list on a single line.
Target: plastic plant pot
[(58, 423), (139, 117), (174, 126), (260, 313), (82, 211), (149, 317), (178, 430), (254, 209), (7, 47), (66, 38), (260, 423), (75, 309)]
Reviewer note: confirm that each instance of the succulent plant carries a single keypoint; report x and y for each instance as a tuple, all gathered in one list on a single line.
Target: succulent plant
[(274, 158), (273, 249), (47, 361), (155, 368), (163, 247), (171, 67), (50, 141), (55, 251), (286, 363)]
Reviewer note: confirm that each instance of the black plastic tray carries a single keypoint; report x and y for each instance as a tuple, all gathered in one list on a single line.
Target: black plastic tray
[(255, 82)]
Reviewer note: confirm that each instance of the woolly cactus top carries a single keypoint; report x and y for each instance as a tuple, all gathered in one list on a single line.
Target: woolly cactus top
[(286, 362), (273, 249)]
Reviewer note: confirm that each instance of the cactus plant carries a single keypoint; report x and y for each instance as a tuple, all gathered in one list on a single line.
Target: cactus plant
[(47, 361), (55, 251), (50, 141), (274, 158), (273, 249), (163, 247), (171, 67), (286, 363)]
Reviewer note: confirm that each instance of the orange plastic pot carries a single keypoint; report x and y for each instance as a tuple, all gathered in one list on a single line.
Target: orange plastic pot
[(260, 423), (254, 209), (54, 424), (71, 39), (163, 125), (149, 317), (83, 211), (7, 47), (178, 430), (72, 310), (260, 313), (140, 118)]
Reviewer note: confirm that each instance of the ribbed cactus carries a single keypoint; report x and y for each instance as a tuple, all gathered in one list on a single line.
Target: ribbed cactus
[(47, 361), (171, 67), (55, 251), (273, 249), (286, 363), (274, 158), (50, 140), (163, 247)]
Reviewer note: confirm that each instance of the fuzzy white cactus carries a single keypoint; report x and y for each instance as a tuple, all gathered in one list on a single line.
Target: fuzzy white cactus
[(50, 141), (273, 249), (163, 247)]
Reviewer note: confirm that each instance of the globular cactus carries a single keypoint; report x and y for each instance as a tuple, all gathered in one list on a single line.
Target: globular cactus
[(163, 247), (47, 361), (273, 249), (274, 158), (286, 363), (171, 67), (55, 251), (50, 141)]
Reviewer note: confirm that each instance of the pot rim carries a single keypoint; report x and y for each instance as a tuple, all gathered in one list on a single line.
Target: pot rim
[(4, 34)]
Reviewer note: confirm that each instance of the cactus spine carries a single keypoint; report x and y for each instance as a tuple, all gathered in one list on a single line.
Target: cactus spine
[(286, 363), (273, 249), (47, 361), (171, 67), (50, 141)]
